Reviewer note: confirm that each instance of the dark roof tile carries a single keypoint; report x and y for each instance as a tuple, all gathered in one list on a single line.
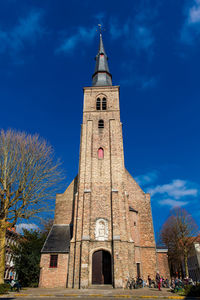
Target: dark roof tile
[(58, 239)]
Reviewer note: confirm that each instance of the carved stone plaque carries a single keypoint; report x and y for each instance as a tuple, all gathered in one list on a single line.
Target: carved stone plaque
[(101, 230)]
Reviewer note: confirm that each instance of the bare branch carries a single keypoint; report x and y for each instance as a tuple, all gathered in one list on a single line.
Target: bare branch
[(178, 234), (29, 177)]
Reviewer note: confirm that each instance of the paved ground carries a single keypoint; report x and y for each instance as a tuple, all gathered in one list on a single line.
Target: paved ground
[(107, 293), (80, 297)]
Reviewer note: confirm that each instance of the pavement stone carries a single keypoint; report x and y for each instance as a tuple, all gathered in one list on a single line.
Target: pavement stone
[(94, 293)]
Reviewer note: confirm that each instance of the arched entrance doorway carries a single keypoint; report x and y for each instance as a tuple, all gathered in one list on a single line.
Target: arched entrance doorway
[(101, 267)]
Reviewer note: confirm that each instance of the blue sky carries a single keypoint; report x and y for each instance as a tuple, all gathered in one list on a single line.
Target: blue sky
[(47, 51)]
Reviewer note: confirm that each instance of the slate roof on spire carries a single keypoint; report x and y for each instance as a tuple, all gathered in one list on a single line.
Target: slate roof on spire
[(101, 76), (101, 47)]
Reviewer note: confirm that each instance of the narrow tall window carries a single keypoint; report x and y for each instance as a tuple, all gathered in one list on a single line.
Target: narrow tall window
[(98, 104), (138, 269), (53, 261), (101, 124), (100, 153), (104, 104)]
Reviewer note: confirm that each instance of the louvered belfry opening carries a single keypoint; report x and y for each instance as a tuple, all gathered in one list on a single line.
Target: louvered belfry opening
[(98, 104), (104, 104), (101, 124)]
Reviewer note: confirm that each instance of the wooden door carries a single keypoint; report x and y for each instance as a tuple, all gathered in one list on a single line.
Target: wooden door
[(101, 267), (107, 268), (97, 275)]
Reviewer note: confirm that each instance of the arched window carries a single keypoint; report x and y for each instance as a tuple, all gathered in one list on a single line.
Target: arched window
[(100, 153), (98, 104), (101, 124), (104, 104)]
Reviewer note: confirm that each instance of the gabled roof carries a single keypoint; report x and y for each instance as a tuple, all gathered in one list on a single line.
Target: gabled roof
[(58, 240)]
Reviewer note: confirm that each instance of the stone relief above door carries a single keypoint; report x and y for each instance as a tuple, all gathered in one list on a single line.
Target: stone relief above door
[(101, 230)]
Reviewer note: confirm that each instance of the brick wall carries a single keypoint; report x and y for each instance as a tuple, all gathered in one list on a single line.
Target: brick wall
[(53, 277), (141, 226), (162, 263), (65, 204)]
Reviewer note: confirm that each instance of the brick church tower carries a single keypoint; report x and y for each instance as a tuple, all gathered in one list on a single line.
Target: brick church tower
[(103, 231)]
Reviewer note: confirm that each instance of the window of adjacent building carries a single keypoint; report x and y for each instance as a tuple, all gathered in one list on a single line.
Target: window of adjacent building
[(100, 153), (101, 124), (53, 261), (98, 104), (104, 104)]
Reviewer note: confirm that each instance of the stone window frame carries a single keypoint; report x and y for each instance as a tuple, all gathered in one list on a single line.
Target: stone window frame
[(101, 102)]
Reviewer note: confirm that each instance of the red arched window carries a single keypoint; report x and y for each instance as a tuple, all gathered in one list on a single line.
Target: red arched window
[(100, 153)]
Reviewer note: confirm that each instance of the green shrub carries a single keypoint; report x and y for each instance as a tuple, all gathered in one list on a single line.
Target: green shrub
[(192, 291), (187, 289), (34, 284), (27, 257), (4, 288)]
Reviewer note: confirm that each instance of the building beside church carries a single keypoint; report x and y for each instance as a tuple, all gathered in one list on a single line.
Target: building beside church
[(103, 231), (193, 261), (12, 238)]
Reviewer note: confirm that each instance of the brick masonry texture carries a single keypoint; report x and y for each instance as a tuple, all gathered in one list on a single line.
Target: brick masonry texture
[(162, 262), (53, 277), (104, 189), (65, 204)]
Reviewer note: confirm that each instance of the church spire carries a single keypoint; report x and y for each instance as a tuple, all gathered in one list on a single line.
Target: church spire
[(101, 76)]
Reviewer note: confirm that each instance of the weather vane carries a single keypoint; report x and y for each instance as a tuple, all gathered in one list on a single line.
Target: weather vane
[(100, 28)]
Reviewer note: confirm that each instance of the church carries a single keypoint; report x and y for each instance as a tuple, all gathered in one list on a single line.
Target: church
[(103, 231)]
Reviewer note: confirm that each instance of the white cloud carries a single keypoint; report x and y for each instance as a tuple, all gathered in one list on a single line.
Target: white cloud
[(28, 29), (194, 13), (176, 189), (149, 83), (173, 203), (100, 17), (140, 82), (83, 35), (21, 226), (191, 28), (136, 32), (147, 178), (117, 29), (144, 38)]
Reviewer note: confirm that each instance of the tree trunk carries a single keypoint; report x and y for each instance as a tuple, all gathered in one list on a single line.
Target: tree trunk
[(2, 249), (186, 264)]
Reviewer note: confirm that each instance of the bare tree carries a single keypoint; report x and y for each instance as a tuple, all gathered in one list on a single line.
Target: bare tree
[(29, 177), (178, 234)]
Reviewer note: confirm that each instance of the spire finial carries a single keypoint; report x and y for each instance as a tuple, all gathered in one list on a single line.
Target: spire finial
[(100, 28), (101, 76)]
